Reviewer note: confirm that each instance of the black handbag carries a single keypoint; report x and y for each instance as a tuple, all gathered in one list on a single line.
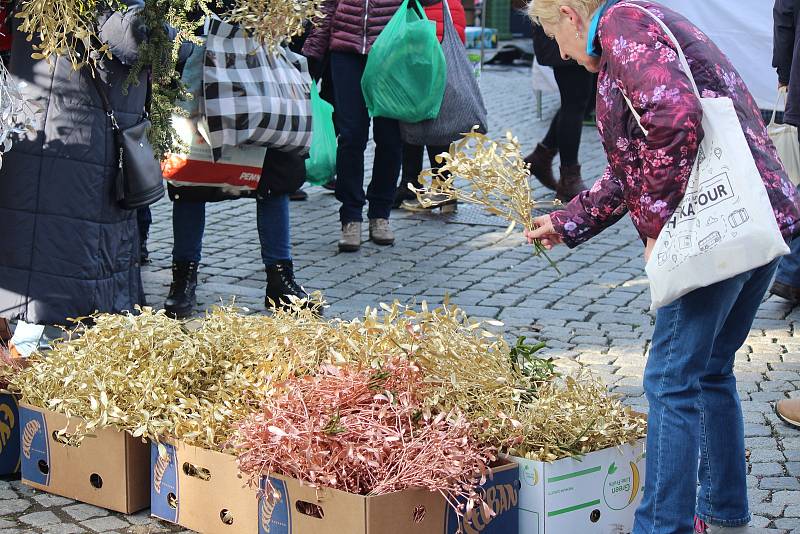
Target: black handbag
[(139, 181)]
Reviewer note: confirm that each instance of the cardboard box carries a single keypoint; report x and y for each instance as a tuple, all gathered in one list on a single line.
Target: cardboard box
[(300, 509), (109, 469), (596, 495), (9, 435), (202, 490)]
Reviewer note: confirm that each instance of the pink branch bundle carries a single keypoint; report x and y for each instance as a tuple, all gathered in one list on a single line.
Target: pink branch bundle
[(364, 431)]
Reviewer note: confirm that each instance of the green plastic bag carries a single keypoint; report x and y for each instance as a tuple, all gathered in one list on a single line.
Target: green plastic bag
[(406, 71), (321, 162)]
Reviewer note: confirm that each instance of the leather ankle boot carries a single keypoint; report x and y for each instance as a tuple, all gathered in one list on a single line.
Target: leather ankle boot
[(182, 299), (281, 284), (541, 162), (570, 184)]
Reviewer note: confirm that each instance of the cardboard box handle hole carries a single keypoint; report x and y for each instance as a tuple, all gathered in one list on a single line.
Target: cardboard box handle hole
[(43, 467), (594, 517), (310, 509), (226, 516), (419, 514), (64, 439), (196, 471), (172, 501), (96, 480)]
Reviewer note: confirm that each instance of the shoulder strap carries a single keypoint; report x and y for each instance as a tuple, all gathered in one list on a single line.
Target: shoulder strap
[(104, 99), (669, 33)]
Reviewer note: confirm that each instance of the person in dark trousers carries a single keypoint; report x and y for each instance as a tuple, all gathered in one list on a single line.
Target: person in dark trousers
[(786, 51), (413, 154), (348, 31), (564, 136), (144, 218)]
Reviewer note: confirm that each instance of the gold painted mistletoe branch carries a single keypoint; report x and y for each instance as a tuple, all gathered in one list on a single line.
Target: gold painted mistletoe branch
[(495, 176)]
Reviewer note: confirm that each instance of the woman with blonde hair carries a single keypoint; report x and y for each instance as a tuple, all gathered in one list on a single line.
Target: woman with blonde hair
[(694, 409)]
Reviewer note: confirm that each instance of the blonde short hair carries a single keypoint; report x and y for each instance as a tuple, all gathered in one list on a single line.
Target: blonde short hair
[(548, 10)]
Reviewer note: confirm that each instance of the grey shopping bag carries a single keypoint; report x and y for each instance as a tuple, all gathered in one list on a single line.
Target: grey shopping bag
[(462, 106)]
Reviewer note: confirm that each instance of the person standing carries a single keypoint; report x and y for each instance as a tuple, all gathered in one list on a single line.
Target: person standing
[(695, 423), (348, 31), (68, 249), (786, 50), (564, 136), (413, 154)]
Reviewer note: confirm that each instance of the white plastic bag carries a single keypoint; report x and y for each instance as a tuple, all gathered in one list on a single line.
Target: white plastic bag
[(784, 136), (725, 224)]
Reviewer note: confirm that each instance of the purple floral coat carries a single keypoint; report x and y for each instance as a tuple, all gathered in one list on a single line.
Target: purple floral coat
[(647, 177)]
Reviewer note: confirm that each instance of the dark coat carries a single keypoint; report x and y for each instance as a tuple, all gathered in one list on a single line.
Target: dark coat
[(546, 50), (67, 249), (349, 26), (786, 47)]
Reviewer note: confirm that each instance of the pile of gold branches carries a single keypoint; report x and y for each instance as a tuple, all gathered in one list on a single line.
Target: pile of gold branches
[(151, 376)]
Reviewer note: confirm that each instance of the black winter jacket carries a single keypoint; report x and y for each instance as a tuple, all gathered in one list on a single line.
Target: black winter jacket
[(66, 248), (786, 48)]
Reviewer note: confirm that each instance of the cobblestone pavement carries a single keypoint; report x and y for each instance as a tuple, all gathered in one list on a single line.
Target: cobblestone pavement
[(594, 313)]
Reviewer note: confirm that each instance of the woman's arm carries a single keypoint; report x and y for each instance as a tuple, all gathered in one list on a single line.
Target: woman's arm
[(783, 40), (644, 65)]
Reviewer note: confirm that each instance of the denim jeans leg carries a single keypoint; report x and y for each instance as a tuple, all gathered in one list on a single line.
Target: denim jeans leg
[(683, 342), (352, 123), (722, 499), (272, 214), (188, 225), (789, 269), (386, 167)]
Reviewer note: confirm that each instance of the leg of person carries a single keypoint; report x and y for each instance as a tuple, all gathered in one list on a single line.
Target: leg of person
[(722, 499), (144, 218), (326, 93), (272, 215), (541, 159), (575, 86), (412, 166), (188, 225), (353, 123), (787, 281), (684, 338), (385, 171)]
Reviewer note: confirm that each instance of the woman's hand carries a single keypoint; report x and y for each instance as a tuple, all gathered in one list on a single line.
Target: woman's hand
[(544, 232), (648, 249)]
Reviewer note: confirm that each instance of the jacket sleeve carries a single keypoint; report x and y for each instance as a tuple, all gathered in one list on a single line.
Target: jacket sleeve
[(319, 38), (784, 37), (644, 65), (591, 211)]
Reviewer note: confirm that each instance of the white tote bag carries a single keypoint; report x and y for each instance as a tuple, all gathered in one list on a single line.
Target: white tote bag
[(725, 224), (784, 136)]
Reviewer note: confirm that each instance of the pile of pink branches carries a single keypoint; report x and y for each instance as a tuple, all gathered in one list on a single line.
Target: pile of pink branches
[(364, 431)]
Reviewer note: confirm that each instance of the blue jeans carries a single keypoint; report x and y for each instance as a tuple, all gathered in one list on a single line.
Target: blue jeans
[(789, 269), (272, 216), (352, 122), (694, 408)]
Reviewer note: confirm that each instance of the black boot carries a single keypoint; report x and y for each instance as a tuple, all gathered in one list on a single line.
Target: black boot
[(281, 284), (144, 254), (182, 299)]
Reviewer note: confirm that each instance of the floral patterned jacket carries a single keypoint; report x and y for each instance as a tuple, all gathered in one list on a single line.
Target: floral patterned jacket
[(647, 176)]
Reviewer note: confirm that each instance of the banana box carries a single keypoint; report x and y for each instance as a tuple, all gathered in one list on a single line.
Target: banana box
[(109, 469), (597, 494), (9, 435), (292, 508), (202, 490)]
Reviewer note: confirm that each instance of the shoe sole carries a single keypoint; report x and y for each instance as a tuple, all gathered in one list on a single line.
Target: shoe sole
[(182, 313), (790, 422), (382, 242), (349, 248)]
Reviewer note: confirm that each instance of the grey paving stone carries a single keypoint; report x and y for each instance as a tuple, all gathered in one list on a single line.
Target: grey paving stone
[(105, 524), (39, 519), (13, 506)]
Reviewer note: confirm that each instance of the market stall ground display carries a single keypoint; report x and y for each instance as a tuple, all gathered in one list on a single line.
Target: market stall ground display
[(400, 400), (109, 469)]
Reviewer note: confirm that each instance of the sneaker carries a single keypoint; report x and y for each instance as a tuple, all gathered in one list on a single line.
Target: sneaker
[(380, 233), (700, 527), (351, 236), (788, 411), (298, 195)]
